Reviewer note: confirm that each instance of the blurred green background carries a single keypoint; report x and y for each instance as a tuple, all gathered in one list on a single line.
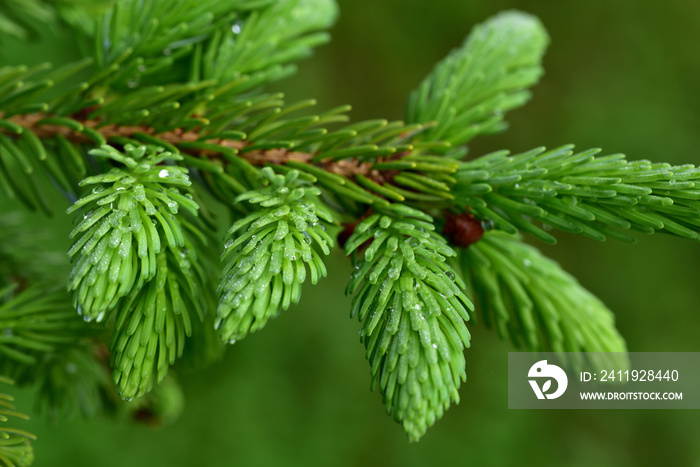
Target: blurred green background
[(621, 75)]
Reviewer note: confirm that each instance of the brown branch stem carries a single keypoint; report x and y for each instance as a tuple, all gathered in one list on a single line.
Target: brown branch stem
[(345, 168)]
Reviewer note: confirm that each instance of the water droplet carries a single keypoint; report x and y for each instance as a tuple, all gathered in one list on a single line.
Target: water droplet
[(237, 27), (124, 249), (98, 189), (163, 173), (232, 341), (435, 346), (450, 274), (527, 262), (228, 244)]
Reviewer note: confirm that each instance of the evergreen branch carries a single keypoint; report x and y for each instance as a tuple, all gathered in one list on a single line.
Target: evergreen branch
[(216, 40), (304, 146), (268, 252), (135, 255), (129, 218), (530, 300), (15, 447), (413, 312), (176, 90), (470, 90), (283, 32), (580, 193), (132, 27), (223, 157)]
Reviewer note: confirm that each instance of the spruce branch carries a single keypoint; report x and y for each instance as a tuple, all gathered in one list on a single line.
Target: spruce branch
[(129, 217), (268, 252), (173, 104), (284, 32), (216, 41), (580, 193), (205, 148), (470, 90), (413, 311), (131, 27), (136, 255)]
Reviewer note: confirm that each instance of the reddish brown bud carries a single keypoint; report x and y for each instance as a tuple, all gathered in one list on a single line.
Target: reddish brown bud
[(463, 229)]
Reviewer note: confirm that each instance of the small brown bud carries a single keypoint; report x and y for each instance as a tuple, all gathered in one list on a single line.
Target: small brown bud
[(463, 229)]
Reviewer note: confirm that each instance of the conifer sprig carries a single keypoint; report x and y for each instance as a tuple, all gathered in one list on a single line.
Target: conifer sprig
[(413, 313), (268, 252), (468, 93), (173, 103), (135, 254), (129, 217), (580, 193)]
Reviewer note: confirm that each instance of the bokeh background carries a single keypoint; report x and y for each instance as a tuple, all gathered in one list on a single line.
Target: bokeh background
[(621, 75)]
